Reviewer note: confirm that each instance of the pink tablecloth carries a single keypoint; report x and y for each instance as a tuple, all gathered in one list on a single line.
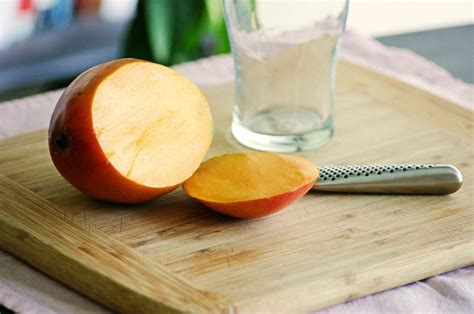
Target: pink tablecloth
[(26, 290)]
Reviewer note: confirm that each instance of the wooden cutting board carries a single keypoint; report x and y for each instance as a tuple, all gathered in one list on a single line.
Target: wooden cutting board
[(173, 254)]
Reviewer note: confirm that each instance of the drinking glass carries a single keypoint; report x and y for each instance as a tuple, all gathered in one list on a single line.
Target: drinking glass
[(285, 55)]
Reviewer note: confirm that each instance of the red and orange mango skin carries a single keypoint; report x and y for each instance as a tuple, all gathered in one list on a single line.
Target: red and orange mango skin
[(259, 207), (75, 149)]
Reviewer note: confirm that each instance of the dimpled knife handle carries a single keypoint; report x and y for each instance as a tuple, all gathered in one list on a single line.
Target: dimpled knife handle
[(390, 179)]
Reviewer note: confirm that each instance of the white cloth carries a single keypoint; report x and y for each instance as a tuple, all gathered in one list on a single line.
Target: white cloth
[(25, 290)]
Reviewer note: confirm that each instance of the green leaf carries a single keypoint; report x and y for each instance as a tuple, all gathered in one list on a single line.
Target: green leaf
[(136, 43), (217, 25), (174, 31), (188, 30), (159, 23)]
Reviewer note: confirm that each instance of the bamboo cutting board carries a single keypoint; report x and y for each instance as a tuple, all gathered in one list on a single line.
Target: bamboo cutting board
[(173, 254)]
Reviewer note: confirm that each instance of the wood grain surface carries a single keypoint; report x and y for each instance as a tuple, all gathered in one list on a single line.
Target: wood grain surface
[(103, 268), (174, 254)]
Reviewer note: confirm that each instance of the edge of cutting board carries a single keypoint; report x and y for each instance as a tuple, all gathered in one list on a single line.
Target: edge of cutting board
[(122, 279)]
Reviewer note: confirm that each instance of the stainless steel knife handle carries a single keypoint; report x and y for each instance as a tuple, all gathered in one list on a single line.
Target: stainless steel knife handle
[(390, 179)]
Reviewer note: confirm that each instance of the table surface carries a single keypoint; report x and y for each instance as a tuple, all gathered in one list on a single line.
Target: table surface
[(24, 289), (451, 48)]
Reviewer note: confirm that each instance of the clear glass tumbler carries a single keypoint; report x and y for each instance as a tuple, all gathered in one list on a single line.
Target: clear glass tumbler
[(285, 55)]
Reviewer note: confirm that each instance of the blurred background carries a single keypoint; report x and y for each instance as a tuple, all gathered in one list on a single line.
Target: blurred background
[(44, 44)]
